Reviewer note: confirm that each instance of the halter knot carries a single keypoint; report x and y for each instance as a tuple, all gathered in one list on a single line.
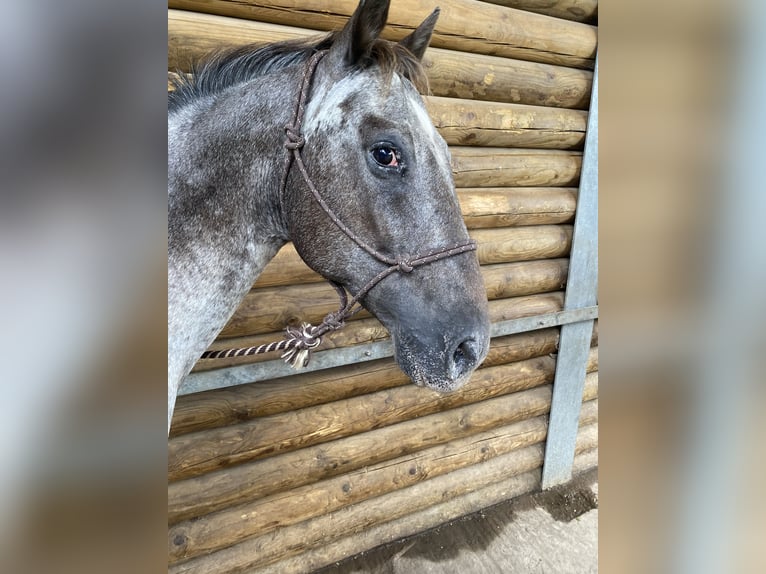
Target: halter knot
[(294, 139), (335, 320), (300, 341), (404, 266), (304, 336)]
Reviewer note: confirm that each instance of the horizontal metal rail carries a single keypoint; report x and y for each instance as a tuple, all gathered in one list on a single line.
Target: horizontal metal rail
[(266, 370)]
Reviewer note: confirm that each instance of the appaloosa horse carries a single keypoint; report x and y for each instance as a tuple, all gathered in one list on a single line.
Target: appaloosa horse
[(328, 144)]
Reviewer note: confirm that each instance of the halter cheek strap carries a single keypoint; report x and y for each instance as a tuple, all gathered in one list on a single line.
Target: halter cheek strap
[(299, 342)]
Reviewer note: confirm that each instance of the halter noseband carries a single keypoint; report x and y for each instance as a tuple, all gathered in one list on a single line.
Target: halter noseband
[(301, 341)]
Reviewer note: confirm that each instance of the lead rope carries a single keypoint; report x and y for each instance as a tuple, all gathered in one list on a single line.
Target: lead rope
[(300, 341)]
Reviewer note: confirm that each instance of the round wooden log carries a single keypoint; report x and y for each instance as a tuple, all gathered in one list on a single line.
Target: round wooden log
[(522, 243), (370, 330), (222, 407), (196, 453), (527, 243), (409, 525), (500, 167), (495, 124), (262, 550), (478, 77), (251, 517), (191, 36), (490, 29), (483, 208), (585, 11), (269, 309), (287, 268), (191, 538), (420, 521), (476, 123), (217, 490), (524, 278), (491, 207), (236, 485)]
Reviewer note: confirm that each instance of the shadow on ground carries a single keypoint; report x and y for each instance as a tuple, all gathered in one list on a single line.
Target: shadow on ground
[(476, 532)]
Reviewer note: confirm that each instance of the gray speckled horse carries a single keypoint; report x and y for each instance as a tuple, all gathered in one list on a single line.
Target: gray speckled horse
[(370, 149)]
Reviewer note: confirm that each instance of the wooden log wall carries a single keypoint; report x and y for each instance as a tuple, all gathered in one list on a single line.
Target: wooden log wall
[(290, 475)]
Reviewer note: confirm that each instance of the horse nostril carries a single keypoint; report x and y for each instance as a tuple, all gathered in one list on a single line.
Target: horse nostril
[(464, 358)]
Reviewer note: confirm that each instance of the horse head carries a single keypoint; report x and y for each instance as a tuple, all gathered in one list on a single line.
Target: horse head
[(382, 168)]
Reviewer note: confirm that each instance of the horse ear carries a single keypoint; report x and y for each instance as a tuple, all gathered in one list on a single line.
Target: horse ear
[(418, 40), (360, 32)]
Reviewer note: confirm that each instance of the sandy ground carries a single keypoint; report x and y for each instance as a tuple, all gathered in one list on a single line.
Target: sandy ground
[(552, 532)]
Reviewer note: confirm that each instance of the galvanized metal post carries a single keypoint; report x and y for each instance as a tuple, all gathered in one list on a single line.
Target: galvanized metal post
[(574, 341)]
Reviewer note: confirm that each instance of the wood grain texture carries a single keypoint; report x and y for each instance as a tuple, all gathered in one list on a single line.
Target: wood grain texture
[(192, 35), (506, 280), (529, 243), (492, 207), (287, 268), (370, 330), (544, 207), (197, 453), (286, 475), (523, 243), (420, 521), (464, 25), (585, 11), (285, 542), (483, 208), (269, 309), (496, 124), (227, 487), (475, 123), (248, 519), (236, 404), (501, 167), (478, 77)]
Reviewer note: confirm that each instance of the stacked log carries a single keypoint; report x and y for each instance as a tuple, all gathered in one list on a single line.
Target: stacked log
[(577, 10), (311, 302), (198, 492), (293, 484), (454, 74), (430, 516), (469, 122), (492, 30), (290, 475)]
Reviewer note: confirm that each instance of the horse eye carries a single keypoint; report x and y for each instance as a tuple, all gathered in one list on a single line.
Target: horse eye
[(385, 156)]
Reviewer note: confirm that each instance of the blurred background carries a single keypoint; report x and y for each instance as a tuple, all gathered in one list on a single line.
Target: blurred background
[(682, 269), (83, 287)]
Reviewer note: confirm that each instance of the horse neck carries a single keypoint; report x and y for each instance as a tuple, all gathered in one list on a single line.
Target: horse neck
[(226, 160)]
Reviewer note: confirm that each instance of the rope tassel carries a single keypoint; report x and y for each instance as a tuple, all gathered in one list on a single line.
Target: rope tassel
[(300, 343)]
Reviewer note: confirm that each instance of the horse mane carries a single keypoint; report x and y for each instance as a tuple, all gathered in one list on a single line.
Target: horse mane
[(227, 68)]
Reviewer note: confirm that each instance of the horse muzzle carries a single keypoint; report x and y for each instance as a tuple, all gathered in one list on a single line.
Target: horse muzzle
[(442, 360)]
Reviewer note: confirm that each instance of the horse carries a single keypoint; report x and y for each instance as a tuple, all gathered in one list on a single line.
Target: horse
[(371, 206)]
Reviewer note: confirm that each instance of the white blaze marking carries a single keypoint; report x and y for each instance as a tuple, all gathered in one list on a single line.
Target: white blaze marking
[(324, 107)]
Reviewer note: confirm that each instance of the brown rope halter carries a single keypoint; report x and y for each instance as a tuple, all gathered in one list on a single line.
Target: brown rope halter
[(300, 341)]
